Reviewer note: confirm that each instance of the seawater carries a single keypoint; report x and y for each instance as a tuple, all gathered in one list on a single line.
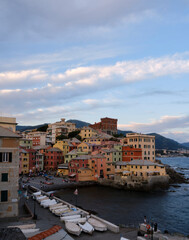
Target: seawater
[(169, 209)]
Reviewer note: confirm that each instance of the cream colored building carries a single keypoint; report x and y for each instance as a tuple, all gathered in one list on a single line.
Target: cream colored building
[(60, 128), (87, 132), (145, 142), (8, 122)]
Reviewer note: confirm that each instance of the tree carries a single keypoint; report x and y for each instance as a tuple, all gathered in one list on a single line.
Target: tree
[(73, 134), (61, 137), (43, 128)]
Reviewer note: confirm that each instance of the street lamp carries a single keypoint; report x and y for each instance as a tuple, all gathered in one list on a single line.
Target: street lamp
[(34, 208)]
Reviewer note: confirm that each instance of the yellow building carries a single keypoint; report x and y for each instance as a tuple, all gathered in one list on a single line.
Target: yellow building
[(84, 147), (63, 145), (87, 132), (93, 140), (140, 168), (85, 174), (145, 142), (24, 161), (63, 170)]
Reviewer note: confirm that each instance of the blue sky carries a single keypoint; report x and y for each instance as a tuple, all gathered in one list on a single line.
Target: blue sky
[(81, 59)]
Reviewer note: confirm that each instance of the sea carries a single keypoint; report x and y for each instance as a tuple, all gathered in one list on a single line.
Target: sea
[(168, 208)]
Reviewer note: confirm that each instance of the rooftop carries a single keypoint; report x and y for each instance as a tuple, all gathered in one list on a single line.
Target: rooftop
[(4, 132)]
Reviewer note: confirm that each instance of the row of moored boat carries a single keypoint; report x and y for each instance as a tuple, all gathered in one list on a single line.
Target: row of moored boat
[(75, 219)]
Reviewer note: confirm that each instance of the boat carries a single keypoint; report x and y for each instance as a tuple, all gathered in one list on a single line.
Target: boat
[(99, 226), (86, 227), (48, 203), (70, 217), (37, 193), (62, 211), (55, 206), (78, 220), (43, 199), (71, 213), (73, 228), (63, 208), (122, 238)]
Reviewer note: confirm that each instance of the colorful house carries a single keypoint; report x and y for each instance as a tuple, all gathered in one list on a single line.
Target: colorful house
[(75, 164), (53, 157), (87, 132), (24, 161), (63, 170), (85, 174), (130, 153)]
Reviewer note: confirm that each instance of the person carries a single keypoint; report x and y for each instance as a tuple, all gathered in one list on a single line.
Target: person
[(145, 221)]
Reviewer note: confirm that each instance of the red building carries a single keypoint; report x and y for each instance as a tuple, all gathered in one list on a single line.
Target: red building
[(53, 157), (32, 160), (76, 163), (130, 153), (107, 125)]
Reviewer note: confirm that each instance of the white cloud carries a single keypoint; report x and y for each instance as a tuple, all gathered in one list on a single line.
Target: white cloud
[(23, 78), (81, 81), (163, 124)]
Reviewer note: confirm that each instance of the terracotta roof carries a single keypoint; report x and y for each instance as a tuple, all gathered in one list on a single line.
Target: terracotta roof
[(46, 233), (5, 132)]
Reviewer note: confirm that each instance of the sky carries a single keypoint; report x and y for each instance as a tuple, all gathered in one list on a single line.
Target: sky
[(81, 59)]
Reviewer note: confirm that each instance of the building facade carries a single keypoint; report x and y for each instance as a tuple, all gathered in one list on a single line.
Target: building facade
[(106, 125), (145, 142), (9, 173), (130, 153)]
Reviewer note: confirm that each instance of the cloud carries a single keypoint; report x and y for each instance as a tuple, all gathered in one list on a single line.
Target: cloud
[(165, 123), (22, 79), (45, 19), (51, 88), (179, 136)]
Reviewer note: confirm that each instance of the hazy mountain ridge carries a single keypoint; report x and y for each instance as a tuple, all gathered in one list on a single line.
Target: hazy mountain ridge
[(161, 141)]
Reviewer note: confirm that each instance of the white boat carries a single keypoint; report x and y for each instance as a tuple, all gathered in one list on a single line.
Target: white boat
[(71, 213), (55, 206), (43, 199), (60, 212), (48, 203), (37, 193), (122, 238), (78, 220), (99, 226), (63, 208), (86, 227), (73, 228), (70, 217)]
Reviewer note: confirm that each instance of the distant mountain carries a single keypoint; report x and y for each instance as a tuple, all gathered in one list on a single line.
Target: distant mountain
[(24, 128), (79, 124), (186, 144), (166, 143), (123, 132)]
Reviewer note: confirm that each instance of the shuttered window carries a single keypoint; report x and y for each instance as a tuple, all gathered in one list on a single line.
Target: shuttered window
[(5, 157)]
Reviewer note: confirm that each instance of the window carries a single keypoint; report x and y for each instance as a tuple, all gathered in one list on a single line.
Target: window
[(5, 157), (147, 167), (4, 177), (4, 196), (108, 169)]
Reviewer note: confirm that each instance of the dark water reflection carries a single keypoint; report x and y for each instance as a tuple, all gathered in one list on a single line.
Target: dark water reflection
[(169, 209)]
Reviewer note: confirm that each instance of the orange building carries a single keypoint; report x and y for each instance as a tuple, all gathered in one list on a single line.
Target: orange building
[(107, 125), (130, 153)]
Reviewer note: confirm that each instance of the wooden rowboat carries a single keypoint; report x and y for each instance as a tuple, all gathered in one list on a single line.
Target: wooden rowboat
[(73, 228), (99, 226), (86, 227)]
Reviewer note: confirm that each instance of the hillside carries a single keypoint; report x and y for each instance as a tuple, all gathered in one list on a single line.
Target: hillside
[(186, 144), (166, 143), (79, 124)]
